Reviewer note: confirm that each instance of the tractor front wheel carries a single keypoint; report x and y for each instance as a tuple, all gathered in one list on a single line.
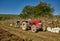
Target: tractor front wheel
[(44, 28), (33, 28)]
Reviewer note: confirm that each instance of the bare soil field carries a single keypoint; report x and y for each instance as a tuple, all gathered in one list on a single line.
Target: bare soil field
[(20, 35), (6, 36)]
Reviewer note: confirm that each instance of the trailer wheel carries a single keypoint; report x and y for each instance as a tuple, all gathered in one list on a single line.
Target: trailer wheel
[(33, 28), (24, 26)]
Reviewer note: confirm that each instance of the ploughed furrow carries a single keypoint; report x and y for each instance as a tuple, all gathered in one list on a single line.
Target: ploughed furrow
[(28, 35), (7, 36)]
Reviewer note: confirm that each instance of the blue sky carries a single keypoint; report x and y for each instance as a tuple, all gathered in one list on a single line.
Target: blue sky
[(16, 6)]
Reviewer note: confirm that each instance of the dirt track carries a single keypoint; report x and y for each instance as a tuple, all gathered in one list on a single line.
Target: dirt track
[(29, 36)]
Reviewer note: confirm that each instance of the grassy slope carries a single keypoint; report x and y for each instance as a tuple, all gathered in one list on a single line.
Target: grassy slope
[(28, 35), (7, 15)]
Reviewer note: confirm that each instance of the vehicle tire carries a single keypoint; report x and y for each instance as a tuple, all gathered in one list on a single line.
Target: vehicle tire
[(24, 26), (44, 28), (33, 28)]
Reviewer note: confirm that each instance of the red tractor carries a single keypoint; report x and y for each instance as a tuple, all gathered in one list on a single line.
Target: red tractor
[(34, 25)]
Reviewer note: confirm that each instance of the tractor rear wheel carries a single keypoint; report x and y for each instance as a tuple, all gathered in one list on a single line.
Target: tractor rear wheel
[(24, 26)]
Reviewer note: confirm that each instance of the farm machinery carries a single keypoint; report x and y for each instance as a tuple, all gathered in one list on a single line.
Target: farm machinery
[(33, 25)]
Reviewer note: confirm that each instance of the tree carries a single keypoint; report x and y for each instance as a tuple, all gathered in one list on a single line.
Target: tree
[(42, 9), (27, 9)]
